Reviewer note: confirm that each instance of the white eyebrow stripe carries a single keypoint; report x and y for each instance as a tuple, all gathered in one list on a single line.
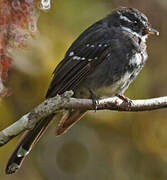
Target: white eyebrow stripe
[(125, 18)]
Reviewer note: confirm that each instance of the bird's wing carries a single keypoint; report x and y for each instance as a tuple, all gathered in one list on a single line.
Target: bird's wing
[(85, 54)]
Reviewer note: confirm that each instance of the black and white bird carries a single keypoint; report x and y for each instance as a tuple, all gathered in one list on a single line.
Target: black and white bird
[(102, 61)]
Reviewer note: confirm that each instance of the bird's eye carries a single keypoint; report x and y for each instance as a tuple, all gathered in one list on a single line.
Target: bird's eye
[(135, 23)]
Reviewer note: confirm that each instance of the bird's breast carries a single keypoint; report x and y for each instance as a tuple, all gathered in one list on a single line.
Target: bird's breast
[(114, 87), (113, 76)]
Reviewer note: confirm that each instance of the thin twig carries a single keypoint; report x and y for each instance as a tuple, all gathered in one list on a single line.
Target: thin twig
[(59, 103)]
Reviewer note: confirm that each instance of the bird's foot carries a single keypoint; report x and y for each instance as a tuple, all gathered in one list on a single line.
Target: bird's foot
[(125, 99), (95, 100)]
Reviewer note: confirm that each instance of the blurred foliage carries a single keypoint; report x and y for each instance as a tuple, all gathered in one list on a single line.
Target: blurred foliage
[(18, 21), (104, 145)]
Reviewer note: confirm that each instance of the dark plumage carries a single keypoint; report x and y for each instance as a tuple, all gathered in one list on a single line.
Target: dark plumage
[(104, 60)]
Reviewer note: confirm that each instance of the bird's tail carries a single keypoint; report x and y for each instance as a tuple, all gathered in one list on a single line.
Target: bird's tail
[(68, 120), (26, 144), (32, 137)]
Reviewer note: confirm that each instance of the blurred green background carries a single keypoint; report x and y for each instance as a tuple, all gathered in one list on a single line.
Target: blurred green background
[(103, 145)]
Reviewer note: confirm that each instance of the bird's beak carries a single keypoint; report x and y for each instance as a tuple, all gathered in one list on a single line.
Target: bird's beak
[(152, 31)]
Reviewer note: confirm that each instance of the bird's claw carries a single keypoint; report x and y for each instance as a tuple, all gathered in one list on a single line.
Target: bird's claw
[(95, 101), (125, 100), (95, 104)]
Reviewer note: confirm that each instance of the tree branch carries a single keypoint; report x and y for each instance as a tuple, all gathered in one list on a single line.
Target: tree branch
[(59, 103)]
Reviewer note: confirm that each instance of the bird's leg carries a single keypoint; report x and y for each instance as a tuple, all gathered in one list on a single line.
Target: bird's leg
[(95, 100), (125, 99)]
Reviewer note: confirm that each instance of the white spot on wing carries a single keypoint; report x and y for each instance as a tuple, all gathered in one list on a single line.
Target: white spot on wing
[(71, 54), (76, 58)]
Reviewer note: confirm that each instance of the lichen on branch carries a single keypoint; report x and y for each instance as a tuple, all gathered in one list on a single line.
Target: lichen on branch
[(18, 23)]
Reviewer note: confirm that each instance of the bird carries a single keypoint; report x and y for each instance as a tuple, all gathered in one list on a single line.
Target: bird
[(102, 61)]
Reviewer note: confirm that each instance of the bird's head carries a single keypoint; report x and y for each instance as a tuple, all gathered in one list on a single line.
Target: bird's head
[(133, 21)]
